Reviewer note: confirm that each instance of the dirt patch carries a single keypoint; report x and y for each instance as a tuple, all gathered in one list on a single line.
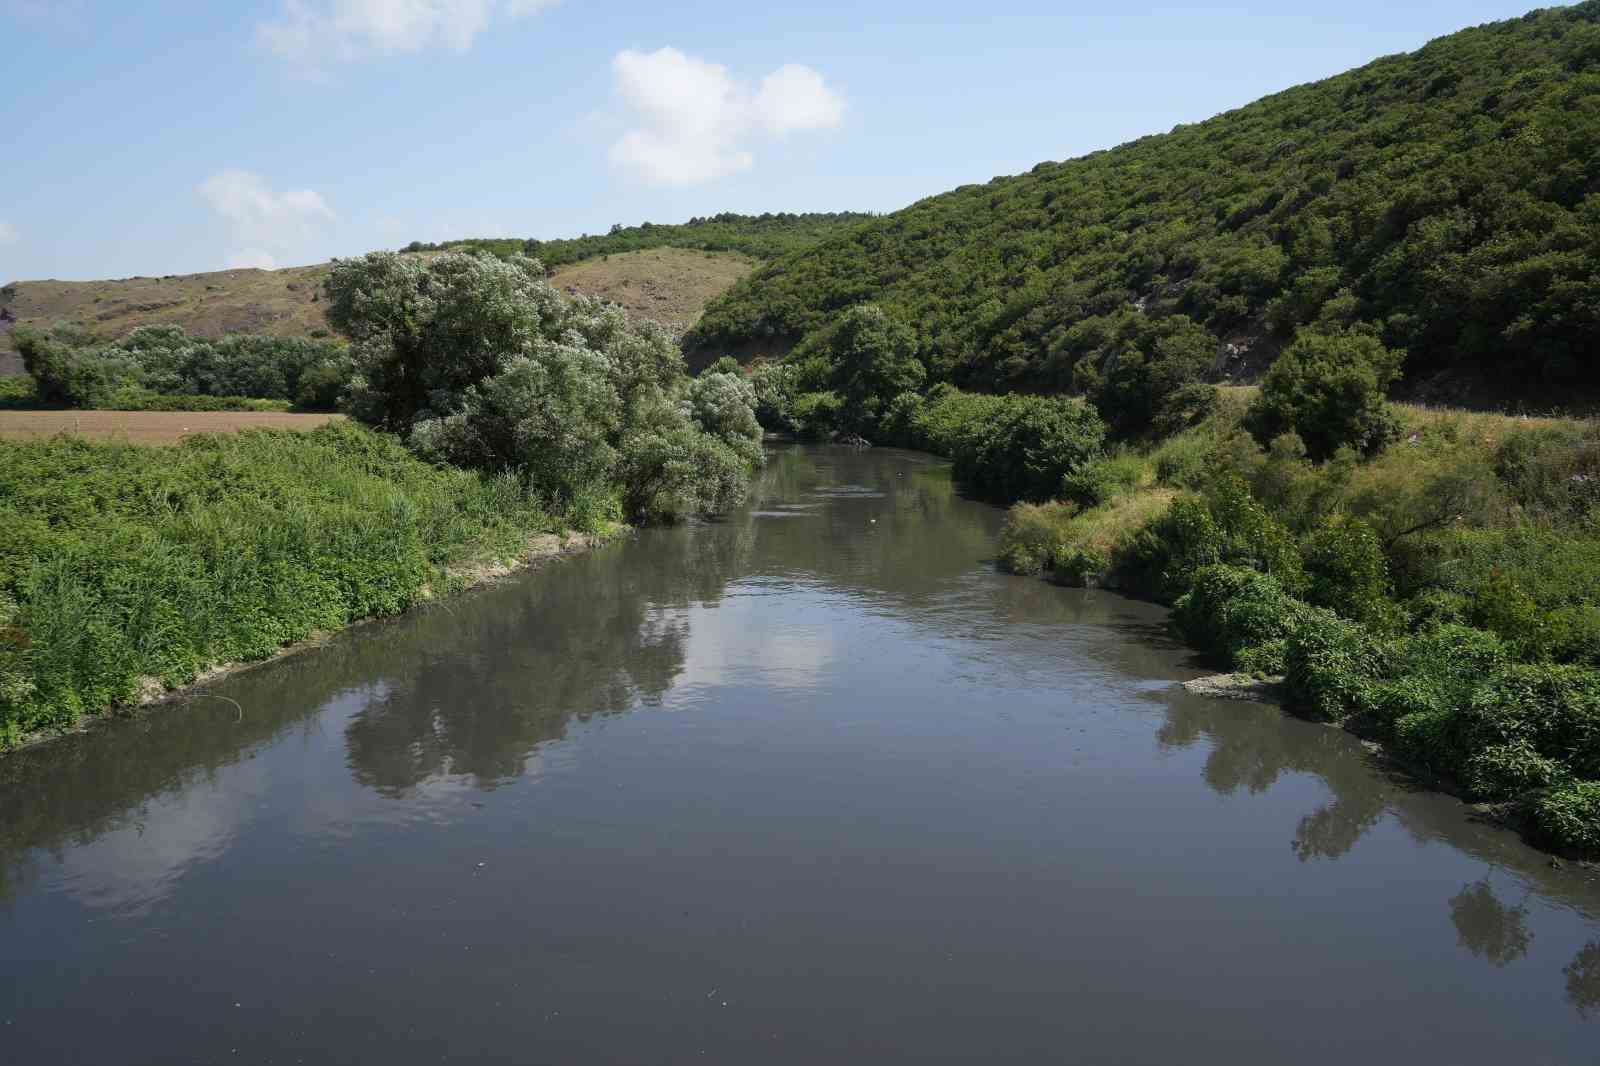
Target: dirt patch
[(148, 427), (670, 285), (1238, 687)]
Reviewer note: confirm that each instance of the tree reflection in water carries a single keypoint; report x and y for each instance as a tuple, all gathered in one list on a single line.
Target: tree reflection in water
[(1493, 931), (1252, 746), (1583, 981)]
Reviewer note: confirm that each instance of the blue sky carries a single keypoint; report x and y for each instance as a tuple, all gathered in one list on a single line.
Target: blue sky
[(177, 136)]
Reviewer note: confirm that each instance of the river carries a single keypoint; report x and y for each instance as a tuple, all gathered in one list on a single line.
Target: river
[(814, 784)]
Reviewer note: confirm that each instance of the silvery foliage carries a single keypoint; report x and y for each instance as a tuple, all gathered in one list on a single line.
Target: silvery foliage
[(482, 363), (723, 405)]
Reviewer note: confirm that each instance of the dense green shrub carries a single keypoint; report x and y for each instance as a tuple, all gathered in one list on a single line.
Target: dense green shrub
[(1034, 536), (774, 385), (817, 414), (1027, 448), (1568, 816), (1241, 618), (1224, 526), (1329, 389), (874, 359), (1103, 480), (1330, 665), (1346, 571), (72, 369), (124, 562), (479, 362), (723, 405)]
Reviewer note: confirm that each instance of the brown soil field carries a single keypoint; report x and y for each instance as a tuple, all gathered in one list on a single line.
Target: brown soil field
[(148, 427), (670, 285)]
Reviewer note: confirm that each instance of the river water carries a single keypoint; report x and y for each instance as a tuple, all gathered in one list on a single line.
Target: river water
[(815, 784)]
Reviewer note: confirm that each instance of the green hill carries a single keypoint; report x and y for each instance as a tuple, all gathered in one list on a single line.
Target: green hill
[(764, 236), (1450, 198)]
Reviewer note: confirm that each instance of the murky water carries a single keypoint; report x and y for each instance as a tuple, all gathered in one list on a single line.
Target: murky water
[(815, 784)]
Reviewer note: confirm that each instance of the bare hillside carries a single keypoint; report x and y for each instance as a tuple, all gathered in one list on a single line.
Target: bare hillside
[(670, 285)]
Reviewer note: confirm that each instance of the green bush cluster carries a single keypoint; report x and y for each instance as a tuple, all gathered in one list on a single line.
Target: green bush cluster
[(122, 564), (764, 236), (480, 363), (1240, 617), (70, 368)]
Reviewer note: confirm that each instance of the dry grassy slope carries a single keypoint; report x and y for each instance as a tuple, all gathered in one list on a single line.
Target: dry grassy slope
[(670, 285)]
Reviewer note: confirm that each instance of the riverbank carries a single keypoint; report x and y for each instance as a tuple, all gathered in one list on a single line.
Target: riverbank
[(129, 573), (154, 693), (1441, 597)]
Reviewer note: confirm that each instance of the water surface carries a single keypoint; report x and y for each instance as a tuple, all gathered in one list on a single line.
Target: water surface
[(813, 784)]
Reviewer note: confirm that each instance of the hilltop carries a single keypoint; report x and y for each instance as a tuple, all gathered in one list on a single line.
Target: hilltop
[(669, 285), (663, 272), (1448, 199)]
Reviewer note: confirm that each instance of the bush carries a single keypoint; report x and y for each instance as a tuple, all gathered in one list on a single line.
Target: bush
[(774, 385), (1568, 816), (817, 414), (1241, 618), (1027, 448), (1330, 665), (1034, 536), (480, 363), (1330, 389), (723, 405), (1103, 480), (1553, 710), (1225, 526), (124, 562), (1347, 573), (874, 359), (672, 475)]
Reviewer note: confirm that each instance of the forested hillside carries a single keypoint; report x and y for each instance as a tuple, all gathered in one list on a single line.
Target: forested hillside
[(765, 236), (1448, 200)]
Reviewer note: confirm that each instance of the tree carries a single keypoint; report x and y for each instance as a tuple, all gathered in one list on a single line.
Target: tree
[(423, 332), (874, 359), (1330, 389)]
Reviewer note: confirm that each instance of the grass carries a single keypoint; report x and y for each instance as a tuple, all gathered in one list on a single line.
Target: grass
[(129, 570)]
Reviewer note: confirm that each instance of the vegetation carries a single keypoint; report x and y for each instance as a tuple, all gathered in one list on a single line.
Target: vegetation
[(1442, 595), (126, 568), (479, 362), (163, 368), (765, 236), (1442, 203), (499, 408)]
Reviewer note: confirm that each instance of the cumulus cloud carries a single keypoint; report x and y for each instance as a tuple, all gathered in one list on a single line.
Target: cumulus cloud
[(263, 223), (691, 121), (314, 35), (9, 234)]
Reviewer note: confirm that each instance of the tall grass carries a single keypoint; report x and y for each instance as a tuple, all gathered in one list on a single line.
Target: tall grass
[(126, 567)]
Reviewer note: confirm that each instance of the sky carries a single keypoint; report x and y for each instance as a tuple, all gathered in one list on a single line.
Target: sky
[(175, 136)]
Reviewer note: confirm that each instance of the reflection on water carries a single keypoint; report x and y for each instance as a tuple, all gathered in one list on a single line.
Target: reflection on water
[(818, 760), (1494, 931)]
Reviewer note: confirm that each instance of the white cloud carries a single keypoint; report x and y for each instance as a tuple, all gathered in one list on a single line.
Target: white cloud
[(9, 234), (261, 222), (691, 121), (314, 35)]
